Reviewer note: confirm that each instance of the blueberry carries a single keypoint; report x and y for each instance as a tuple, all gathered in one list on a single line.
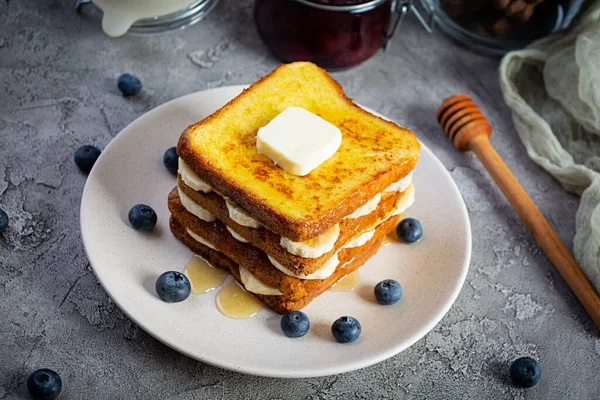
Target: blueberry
[(409, 230), (295, 324), (171, 160), (525, 372), (388, 292), (173, 287), (86, 156), (346, 329), (142, 217), (44, 384), (129, 85), (3, 221)]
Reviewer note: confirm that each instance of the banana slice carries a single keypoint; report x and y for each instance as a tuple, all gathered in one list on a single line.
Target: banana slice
[(201, 240), (194, 207), (236, 214), (314, 247), (368, 208), (192, 179), (362, 239), (326, 270), (236, 235), (401, 185), (405, 201), (252, 284)]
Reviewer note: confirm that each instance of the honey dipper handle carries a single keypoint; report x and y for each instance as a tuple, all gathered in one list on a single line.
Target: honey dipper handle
[(543, 233)]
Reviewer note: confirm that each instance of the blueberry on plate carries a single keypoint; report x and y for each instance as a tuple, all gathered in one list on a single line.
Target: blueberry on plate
[(346, 329), (3, 221), (86, 156), (525, 372), (171, 160), (388, 292), (129, 85), (142, 217), (295, 324), (44, 384), (409, 230), (173, 287)]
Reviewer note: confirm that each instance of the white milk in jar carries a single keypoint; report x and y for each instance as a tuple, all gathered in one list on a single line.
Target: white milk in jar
[(119, 15)]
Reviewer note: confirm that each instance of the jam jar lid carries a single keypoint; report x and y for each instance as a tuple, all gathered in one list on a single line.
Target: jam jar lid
[(340, 2), (342, 5)]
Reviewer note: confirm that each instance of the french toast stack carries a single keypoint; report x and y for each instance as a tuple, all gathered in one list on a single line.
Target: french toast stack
[(288, 238)]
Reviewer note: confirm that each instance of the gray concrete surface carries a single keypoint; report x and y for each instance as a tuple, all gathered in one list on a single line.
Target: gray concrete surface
[(57, 92)]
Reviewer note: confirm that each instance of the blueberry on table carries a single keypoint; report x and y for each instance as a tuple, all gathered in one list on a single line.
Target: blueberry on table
[(44, 384), (525, 372), (346, 329), (142, 217), (3, 221), (86, 156), (295, 324), (409, 230), (388, 292), (173, 287), (171, 160), (129, 85)]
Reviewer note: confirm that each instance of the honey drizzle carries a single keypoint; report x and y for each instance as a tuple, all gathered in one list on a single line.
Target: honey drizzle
[(347, 283), (235, 302), (203, 276), (390, 238)]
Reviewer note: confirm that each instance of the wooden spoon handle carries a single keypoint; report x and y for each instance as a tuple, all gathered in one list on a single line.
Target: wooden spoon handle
[(543, 233)]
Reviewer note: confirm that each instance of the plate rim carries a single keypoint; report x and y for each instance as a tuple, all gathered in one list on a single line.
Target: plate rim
[(265, 371)]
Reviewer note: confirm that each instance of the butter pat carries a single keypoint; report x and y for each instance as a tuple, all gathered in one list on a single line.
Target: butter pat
[(298, 140)]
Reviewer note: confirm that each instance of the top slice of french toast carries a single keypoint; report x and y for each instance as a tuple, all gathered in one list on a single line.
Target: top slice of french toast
[(221, 149)]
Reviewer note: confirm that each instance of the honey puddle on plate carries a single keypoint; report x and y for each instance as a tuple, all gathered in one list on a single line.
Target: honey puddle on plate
[(347, 283), (203, 276), (234, 302), (390, 238)]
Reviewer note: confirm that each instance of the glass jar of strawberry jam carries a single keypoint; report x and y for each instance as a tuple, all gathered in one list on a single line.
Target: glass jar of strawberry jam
[(334, 34)]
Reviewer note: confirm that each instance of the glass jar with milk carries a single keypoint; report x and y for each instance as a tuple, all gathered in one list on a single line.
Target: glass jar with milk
[(149, 16)]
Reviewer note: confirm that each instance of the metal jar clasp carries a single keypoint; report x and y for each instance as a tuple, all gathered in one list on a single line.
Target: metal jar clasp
[(400, 8)]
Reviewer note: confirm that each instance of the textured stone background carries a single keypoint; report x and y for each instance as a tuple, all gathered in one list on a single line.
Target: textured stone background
[(58, 91)]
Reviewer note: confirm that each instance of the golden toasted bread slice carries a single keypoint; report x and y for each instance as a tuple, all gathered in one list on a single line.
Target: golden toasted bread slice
[(221, 149), (270, 242), (296, 293), (215, 234)]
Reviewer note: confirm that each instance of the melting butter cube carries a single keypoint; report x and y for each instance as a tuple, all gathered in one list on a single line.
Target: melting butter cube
[(298, 140)]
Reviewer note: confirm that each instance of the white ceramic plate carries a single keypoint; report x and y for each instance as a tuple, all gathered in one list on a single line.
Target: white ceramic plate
[(127, 263)]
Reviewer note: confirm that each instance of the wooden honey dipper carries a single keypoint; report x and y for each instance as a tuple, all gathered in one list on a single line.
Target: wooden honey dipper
[(468, 129)]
